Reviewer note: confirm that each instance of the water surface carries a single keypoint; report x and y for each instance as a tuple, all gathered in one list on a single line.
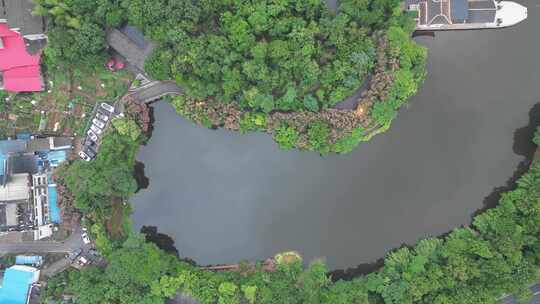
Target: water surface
[(225, 197)]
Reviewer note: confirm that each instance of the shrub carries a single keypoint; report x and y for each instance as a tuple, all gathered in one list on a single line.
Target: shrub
[(318, 133), (286, 136), (536, 138), (252, 121)]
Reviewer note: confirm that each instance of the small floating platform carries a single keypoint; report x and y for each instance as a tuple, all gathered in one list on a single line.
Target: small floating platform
[(432, 15)]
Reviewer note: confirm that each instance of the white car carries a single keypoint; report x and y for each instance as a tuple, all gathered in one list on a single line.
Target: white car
[(85, 238), (98, 123), (92, 136), (96, 130), (107, 107), (82, 261), (102, 117), (84, 156)]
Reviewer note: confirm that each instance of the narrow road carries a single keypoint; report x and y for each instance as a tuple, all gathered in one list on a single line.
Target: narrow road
[(74, 241), (155, 90), (535, 300)]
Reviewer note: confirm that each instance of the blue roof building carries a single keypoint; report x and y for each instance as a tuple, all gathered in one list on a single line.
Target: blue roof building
[(34, 260), (56, 157), (12, 146), (17, 283)]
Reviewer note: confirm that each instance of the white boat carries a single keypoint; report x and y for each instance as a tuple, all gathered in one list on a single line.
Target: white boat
[(432, 15)]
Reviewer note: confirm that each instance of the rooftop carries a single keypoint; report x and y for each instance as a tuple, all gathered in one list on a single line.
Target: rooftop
[(25, 163), (19, 16), (28, 260), (53, 205), (16, 189), (17, 282), (130, 44), (12, 146), (21, 69), (446, 12)]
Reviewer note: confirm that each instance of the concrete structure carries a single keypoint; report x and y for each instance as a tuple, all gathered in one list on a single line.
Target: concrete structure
[(41, 204), (28, 197), (17, 189), (14, 195), (17, 284)]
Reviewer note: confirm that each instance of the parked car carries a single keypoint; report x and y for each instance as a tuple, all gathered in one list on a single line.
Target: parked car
[(107, 107), (92, 135), (98, 123), (88, 144), (85, 238), (84, 156), (82, 261), (91, 153), (96, 130), (74, 254), (102, 116)]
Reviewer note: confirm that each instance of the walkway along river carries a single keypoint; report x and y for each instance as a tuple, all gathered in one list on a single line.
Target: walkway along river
[(225, 197)]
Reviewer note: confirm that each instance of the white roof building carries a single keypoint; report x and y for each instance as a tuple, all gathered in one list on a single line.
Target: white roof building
[(16, 189)]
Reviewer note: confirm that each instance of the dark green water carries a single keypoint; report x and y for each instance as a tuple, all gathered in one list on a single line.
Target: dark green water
[(225, 197)]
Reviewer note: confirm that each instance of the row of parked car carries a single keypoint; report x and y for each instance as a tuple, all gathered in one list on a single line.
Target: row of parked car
[(99, 122)]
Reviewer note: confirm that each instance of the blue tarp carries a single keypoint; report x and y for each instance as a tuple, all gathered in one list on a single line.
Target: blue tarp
[(54, 211), (15, 287), (28, 260), (56, 157)]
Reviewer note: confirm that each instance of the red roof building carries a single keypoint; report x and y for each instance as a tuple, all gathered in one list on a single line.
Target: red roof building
[(20, 69)]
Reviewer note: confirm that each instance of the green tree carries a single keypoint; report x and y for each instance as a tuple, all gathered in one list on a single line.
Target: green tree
[(286, 137), (318, 134)]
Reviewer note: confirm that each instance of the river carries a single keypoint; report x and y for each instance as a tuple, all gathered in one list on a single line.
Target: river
[(225, 197)]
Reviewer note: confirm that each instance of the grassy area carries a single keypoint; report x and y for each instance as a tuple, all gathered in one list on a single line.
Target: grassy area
[(115, 222), (64, 107)]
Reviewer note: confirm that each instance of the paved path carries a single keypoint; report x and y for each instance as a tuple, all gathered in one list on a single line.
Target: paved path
[(535, 300)]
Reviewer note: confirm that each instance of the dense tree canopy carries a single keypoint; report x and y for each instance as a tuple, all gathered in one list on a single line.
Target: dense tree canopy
[(77, 28), (286, 55), (109, 175), (263, 56)]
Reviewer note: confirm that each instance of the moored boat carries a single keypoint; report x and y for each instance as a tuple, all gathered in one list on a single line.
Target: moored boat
[(434, 15)]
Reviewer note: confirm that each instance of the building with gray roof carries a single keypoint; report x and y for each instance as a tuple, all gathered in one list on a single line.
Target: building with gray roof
[(131, 44), (19, 17)]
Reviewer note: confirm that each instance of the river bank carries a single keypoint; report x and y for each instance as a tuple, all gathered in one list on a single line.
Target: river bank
[(445, 153)]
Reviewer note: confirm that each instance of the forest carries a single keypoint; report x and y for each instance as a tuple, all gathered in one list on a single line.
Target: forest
[(291, 61)]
